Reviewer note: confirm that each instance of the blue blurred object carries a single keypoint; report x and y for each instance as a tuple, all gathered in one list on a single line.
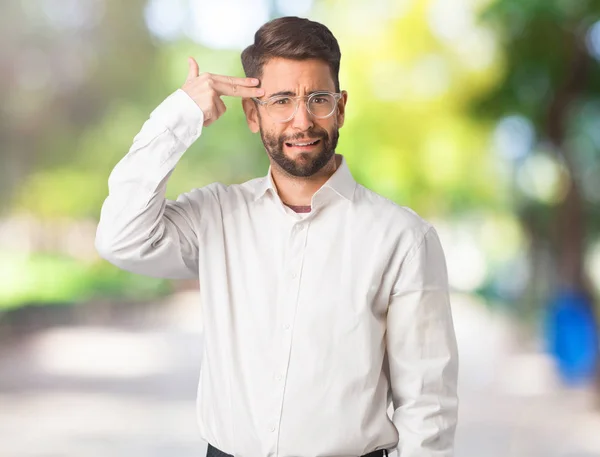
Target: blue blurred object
[(572, 336)]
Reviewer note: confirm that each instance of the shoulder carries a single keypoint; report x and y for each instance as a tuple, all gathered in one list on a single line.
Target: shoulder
[(389, 215), (400, 228)]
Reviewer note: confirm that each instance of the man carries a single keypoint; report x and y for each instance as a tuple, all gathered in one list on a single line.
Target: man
[(322, 301)]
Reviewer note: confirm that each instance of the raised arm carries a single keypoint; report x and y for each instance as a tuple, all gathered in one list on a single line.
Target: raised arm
[(140, 230)]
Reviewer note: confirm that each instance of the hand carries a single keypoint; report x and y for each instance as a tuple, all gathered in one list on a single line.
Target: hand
[(206, 90)]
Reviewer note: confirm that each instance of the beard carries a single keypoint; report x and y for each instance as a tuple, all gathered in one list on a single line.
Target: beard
[(306, 164)]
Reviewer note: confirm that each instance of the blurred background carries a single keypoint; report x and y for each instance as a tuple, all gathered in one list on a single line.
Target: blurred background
[(481, 115)]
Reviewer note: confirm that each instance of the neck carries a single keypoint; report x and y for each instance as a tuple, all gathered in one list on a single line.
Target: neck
[(297, 191)]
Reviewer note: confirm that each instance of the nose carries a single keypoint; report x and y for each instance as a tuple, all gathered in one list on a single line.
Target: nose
[(303, 119)]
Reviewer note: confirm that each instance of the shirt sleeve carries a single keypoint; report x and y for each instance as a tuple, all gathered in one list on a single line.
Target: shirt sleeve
[(422, 353), (139, 230)]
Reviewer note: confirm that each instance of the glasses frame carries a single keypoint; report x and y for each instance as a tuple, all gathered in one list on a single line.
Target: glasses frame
[(336, 96)]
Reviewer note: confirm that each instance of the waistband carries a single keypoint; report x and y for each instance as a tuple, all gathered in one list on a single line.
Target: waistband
[(214, 452)]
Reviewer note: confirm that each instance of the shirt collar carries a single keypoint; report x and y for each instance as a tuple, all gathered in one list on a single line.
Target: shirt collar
[(342, 182)]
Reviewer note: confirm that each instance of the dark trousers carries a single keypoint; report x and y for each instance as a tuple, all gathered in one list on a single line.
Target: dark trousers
[(214, 452)]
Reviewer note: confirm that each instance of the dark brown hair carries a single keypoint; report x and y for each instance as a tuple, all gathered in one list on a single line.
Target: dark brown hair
[(292, 38)]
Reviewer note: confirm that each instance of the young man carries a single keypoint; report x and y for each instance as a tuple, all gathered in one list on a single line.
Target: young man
[(322, 301)]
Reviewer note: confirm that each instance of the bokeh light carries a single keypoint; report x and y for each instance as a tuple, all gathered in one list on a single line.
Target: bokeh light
[(514, 137)]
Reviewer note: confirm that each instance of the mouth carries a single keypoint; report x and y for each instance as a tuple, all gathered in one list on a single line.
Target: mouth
[(303, 145)]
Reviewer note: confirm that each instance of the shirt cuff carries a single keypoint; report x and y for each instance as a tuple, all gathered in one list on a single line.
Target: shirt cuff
[(181, 115)]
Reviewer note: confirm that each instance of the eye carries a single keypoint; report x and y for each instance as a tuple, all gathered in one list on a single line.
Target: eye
[(282, 101)]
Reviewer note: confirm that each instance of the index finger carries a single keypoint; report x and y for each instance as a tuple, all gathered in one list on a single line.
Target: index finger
[(232, 80), (235, 90)]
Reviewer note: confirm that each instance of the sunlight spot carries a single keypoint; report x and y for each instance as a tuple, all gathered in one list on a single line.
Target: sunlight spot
[(206, 24), (593, 40), (166, 18), (294, 7), (543, 178), (514, 137)]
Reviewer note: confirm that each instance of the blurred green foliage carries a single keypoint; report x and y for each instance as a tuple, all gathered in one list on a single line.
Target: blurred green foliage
[(52, 279), (423, 99), (551, 79)]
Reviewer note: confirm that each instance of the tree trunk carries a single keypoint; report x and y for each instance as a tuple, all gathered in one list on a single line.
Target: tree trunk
[(570, 220)]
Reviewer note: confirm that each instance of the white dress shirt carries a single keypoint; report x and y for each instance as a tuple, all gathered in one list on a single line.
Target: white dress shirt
[(313, 323)]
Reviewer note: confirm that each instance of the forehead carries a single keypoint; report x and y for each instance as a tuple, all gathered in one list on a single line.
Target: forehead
[(296, 75)]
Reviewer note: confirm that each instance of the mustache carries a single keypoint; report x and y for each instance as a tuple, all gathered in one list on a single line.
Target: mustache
[(305, 136)]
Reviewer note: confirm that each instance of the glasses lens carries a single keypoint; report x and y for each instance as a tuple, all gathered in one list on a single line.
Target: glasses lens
[(281, 108), (321, 105)]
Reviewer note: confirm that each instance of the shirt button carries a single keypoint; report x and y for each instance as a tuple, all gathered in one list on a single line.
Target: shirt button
[(278, 377), (272, 429), (286, 326), (300, 227)]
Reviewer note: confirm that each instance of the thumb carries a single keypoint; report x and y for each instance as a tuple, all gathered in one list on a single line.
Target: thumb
[(193, 71)]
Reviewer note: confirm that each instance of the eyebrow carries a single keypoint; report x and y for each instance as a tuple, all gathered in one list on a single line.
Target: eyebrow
[(293, 94)]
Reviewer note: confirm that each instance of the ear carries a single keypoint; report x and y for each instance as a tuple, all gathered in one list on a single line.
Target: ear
[(341, 111), (251, 112)]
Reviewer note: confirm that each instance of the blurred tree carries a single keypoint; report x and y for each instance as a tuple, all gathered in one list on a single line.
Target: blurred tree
[(408, 131), (552, 78), (85, 78), (63, 65)]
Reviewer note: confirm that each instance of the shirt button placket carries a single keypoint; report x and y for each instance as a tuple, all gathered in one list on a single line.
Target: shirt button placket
[(297, 247)]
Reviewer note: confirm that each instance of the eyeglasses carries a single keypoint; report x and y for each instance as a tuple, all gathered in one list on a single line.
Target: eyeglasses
[(282, 108)]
